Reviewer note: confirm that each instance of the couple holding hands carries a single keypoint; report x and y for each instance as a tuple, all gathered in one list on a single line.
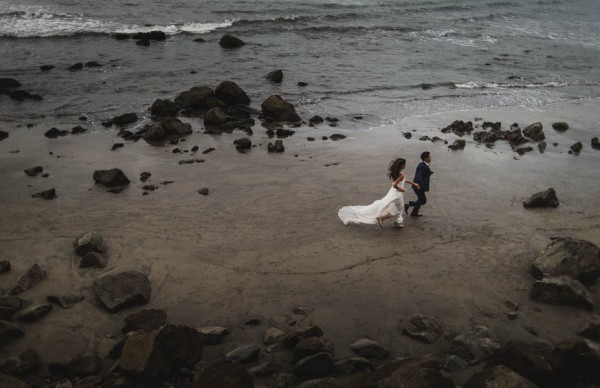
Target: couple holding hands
[(392, 205)]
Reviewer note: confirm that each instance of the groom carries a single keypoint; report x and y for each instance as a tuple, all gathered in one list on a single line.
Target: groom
[(422, 178)]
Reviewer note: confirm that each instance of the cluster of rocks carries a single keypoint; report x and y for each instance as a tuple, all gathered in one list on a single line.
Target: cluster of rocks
[(54, 133), (143, 38), (11, 88), (492, 131)]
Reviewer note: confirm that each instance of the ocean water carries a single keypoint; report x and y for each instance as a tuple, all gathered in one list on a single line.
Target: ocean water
[(385, 60)]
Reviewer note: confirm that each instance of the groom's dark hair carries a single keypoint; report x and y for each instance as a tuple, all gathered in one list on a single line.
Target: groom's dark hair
[(425, 154)]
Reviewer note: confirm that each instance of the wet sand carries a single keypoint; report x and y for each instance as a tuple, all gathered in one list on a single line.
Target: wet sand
[(267, 237)]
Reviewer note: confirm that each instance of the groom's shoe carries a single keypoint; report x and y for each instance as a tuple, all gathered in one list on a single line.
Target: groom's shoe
[(406, 206), (416, 215)]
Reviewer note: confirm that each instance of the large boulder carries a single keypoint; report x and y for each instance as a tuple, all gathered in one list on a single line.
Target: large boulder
[(164, 108), (156, 353), (478, 344), (215, 117), (276, 108), (578, 259), (542, 199), (221, 374), (498, 377), (122, 290), (562, 290), (32, 277), (230, 41), (535, 131), (146, 320), (124, 119), (459, 127), (424, 328), (196, 98), (317, 365), (111, 178), (275, 76), (89, 242), (533, 361), (231, 93), (560, 126)]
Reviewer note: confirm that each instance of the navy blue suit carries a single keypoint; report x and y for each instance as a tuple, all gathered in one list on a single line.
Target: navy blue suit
[(422, 178)]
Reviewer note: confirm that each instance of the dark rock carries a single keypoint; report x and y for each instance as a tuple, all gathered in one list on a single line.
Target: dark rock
[(4, 266), (46, 194), (369, 349), (316, 119), (535, 132), (315, 366), (167, 128), (143, 42), (560, 126), (92, 64), (243, 354), (64, 301), (275, 76), (215, 117), (562, 290), (326, 382), (498, 376), (476, 345), (542, 147), (277, 147), (144, 176), (231, 93), (111, 178), (407, 135), (77, 129), (33, 171), (122, 290), (53, 133), (122, 36), (34, 313), (124, 119), (78, 366), (19, 95), (310, 138), (425, 138), (9, 83), (27, 363), (352, 365), (337, 136), (164, 108), (116, 146), (29, 279), (9, 332), (576, 148), (199, 40), (309, 346), (203, 191), (146, 320), (9, 305), (302, 84), (591, 331), (89, 242), (578, 259), (485, 137), (457, 145), (424, 328), (156, 353), (459, 127), (533, 361), (523, 150), (12, 382), (514, 137), (595, 142), (4, 135), (264, 370), (93, 259), (223, 375), (243, 144), (195, 98), (454, 363), (542, 199), (277, 109), (77, 66), (213, 335), (107, 123), (284, 133), (331, 119), (230, 41)]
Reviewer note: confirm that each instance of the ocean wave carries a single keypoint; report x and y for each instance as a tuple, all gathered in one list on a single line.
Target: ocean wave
[(500, 85)]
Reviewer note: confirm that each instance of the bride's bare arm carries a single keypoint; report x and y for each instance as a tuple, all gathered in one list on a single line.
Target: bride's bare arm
[(398, 180)]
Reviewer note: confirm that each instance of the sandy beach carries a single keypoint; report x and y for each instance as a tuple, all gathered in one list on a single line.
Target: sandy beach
[(267, 239)]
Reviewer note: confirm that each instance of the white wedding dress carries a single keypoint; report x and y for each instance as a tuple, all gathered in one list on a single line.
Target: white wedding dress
[(392, 203)]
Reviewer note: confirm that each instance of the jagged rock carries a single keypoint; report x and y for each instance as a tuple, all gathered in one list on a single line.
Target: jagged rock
[(89, 242), (263, 370), (591, 331), (53, 133), (576, 148), (485, 137), (578, 259), (459, 127), (195, 98), (164, 108), (523, 150), (46, 194), (93, 259), (275, 76), (25, 364), (4, 135), (497, 377), (78, 366), (155, 353), (535, 131), (9, 305), (542, 199), (34, 171), (243, 354), (315, 366), (243, 144), (454, 363), (291, 340), (309, 346), (424, 328), (12, 382), (336, 137), (562, 290), (277, 147), (542, 147), (124, 119), (9, 332), (407, 135), (111, 178), (34, 313), (215, 117), (497, 126), (32, 277), (369, 349), (167, 128), (272, 335), (457, 145), (230, 41), (213, 335), (316, 119), (284, 133), (203, 191), (560, 126), (476, 345), (277, 109), (65, 301), (122, 290), (146, 320), (77, 129), (4, 266), (223, 375), (352, 365), (231, 93), (595, 142)]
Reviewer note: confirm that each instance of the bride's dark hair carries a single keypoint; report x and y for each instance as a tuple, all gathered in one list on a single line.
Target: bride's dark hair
[(395, 168)]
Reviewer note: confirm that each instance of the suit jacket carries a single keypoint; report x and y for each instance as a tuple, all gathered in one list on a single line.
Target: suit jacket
[(422, 176)]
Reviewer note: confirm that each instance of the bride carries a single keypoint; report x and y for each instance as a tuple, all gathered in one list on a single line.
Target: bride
[(390, 206)]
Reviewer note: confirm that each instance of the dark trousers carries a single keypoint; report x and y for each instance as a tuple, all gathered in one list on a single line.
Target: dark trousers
[(421, 200)]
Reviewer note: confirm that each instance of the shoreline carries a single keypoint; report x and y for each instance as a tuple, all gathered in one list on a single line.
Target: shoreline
[(267, 238)]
